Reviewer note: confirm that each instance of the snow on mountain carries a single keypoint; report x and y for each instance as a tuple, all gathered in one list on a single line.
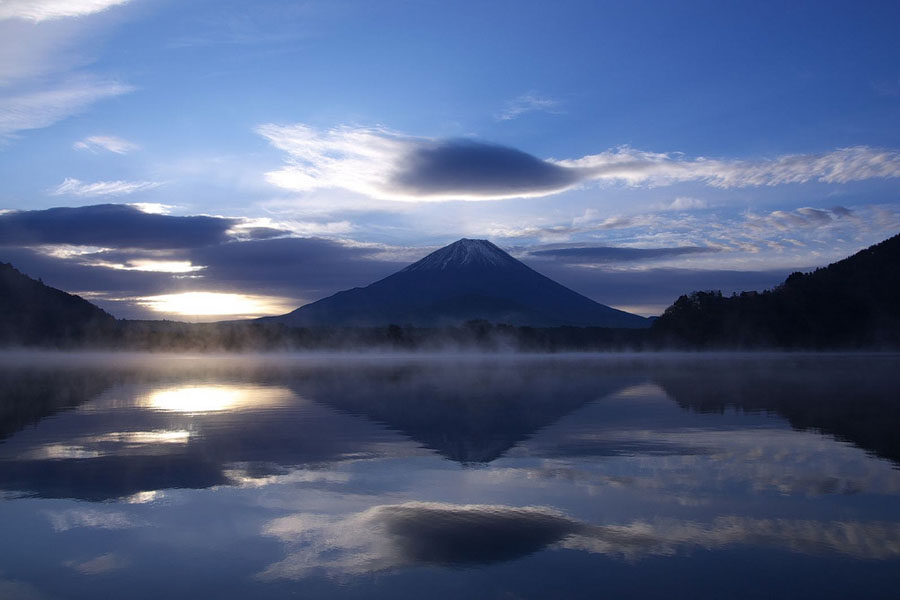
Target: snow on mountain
[(465, 252)]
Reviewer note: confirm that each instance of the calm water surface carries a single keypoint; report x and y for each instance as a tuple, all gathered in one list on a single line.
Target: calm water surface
[(447, 477)]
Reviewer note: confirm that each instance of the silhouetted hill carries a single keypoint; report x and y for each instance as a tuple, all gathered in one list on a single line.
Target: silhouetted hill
[(32, 313), (467, 280), (849, 304)]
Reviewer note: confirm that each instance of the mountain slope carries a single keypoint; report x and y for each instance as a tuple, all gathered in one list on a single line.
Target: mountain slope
[(851, 303), (34, 313), (469, 279)]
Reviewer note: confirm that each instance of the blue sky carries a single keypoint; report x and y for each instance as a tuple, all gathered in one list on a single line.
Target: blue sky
[(631, 150)]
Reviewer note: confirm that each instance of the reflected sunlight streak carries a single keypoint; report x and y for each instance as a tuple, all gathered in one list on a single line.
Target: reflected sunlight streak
[(212, 398)]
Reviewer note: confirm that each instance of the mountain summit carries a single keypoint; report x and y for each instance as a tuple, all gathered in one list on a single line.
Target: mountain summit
[(469, 279), (466, 253)]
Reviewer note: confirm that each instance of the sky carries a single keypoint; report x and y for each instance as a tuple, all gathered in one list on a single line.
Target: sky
[(211, 160)]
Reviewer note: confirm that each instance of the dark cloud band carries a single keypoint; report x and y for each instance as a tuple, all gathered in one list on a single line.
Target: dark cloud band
[(472, 168), (609, 254), (111, 225)]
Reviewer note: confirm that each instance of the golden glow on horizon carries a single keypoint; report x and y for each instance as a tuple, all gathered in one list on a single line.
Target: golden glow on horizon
[(158, 266), (213, 398), (216, 304)]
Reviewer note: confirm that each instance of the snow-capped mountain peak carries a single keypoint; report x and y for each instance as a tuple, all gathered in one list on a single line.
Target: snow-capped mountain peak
[(465, 253)]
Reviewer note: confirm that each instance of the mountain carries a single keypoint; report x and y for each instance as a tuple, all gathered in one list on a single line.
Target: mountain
[(852, 303), (34, 313), (467, 280), (467, 412)]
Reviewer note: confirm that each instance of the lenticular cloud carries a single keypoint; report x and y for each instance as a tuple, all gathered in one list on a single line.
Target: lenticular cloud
[(388, 165)]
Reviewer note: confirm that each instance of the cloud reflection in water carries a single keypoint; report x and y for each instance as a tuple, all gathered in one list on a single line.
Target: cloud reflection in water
[(426, 533)]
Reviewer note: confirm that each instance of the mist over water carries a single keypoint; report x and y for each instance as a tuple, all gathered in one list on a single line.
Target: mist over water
[(453, 475)]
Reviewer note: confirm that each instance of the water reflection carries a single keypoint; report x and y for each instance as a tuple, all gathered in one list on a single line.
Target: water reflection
[(415, 533), (212, 398), (403, 535), (330, 471)]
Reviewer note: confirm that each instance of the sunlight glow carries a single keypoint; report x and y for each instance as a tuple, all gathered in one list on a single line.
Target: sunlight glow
[(213, 398), (217, 304), (62, 452), (161, 436), (145, 497), (160, 266), (152, 208), (195, 399)]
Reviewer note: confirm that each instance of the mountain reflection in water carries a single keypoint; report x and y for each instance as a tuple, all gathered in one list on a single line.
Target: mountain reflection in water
[(331, 470)]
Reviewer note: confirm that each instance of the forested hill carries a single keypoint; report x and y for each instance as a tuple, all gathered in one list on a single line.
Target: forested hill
[(853, 303), (36, 314)]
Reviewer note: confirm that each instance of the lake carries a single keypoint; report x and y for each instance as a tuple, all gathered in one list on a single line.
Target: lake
[(638, 476)]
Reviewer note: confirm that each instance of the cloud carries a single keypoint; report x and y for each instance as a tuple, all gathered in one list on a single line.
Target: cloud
[(635, 167), (463, 168), (649, 291), (384, 164), (608, 254), (99, 564), (119, 255), (668, 537), (44, 10), (110, 225), (146, 264), (414, 533), (110, 143), (526, 103), (429, 533), (301, 267), (683, 203), (75, 187), (805, 217), (590, 221), (43, 55), (388, 165), (30, 54), (153, 208), (64, 520), (34, 110)]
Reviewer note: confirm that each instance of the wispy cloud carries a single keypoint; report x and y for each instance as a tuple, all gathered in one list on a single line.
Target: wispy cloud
[(34, 110), (99, 564), (805, 217), (45, 10), (684, 203), (64, 520), (422, 534), (76, 187), (636, 167), (110, 143), (586, 254), (384, 164), (526, 103)]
